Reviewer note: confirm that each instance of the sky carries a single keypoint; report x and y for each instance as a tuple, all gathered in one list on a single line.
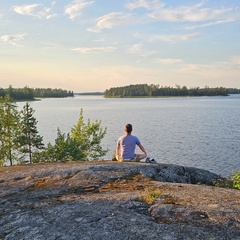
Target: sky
[(93, 45)]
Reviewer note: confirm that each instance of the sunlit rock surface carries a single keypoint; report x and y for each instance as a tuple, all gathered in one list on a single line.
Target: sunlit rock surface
[(101, 200)]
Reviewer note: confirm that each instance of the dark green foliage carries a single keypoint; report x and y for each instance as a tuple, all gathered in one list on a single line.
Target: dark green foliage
[(27, 93), (64, 149), (18, 93), (144, 90), (82, 144), (19, 136), (10, 129), (223, 183), (51, 93), (29, 139), (233, 91)]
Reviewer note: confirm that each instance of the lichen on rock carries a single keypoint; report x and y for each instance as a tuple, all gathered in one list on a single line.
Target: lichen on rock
[(101, 200)]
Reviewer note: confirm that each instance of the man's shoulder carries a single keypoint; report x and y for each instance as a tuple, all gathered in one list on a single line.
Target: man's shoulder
[(134, 136), (136, 140), (121, 138)]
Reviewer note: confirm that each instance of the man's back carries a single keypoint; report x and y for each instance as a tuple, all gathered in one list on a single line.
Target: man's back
[(127, 145)]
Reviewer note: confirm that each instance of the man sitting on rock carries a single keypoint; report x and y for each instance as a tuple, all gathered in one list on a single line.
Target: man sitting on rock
[(126, 144)]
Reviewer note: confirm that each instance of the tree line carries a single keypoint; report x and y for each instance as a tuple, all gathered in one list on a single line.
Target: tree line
[(27, 93), (145, 90), (233, 91), (20, 140)]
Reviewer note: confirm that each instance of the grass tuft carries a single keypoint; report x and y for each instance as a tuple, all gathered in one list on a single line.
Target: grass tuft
[(150, 196)]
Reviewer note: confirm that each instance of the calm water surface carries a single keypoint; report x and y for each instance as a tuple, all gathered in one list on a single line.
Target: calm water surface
[(200, 132)]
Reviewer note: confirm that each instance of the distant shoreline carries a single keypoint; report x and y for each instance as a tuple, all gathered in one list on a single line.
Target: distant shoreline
[(89, 94)]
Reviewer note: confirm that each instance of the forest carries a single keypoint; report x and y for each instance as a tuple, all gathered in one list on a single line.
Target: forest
[(27, 93), (233, 91), (20, 141), (145, 90)]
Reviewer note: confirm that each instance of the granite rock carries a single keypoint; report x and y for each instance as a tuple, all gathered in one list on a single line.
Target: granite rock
[(101, 200)]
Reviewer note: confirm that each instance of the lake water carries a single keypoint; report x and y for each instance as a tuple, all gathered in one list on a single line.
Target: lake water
[(200, 132)]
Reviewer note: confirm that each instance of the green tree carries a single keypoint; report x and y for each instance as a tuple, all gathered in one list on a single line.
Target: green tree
[(236, 180), (10, 130), (64, 149), (82, 144), (29, 139), (88, 136)]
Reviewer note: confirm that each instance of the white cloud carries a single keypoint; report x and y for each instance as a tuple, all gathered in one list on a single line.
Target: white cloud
[(94, 50), (13, 39), (76, 8), (158, 11), (111, 20), (26, 9), (148, 4), (175, 38), (32, 10), (169, 61), (138, 49), (229, 20), (195, 13)]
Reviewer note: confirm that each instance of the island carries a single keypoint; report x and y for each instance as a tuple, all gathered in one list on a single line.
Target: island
[(145, 90)]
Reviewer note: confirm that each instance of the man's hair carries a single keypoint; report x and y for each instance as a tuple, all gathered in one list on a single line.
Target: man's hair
[(128, 128)]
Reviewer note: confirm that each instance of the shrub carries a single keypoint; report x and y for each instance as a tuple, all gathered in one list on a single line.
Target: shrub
[(236, 180)]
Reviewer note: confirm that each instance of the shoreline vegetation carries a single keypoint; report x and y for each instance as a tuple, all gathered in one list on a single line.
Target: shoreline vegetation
[(130, 91), (145, 90), (32, 94)]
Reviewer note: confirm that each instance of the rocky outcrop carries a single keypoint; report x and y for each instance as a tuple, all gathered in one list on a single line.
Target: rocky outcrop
[(101, 200)]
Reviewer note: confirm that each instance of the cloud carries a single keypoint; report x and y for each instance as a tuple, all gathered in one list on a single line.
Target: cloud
[(229, 20), (175, 38), (137, 49), (158, 10), (32, 10), (195, 13), (169, 61), (111, 20), (94, 50), (13, 39), (76, 8), (147, 4)]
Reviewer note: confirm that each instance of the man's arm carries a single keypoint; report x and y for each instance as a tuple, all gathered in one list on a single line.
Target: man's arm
[(142, 148), (117, 150)]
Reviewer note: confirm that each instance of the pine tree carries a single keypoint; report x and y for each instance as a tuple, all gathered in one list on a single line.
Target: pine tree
[(82, 144), (30, 138), (88, 136), (9, 130)]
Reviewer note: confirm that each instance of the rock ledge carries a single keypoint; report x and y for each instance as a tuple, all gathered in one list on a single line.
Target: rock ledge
[(100, 200)]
